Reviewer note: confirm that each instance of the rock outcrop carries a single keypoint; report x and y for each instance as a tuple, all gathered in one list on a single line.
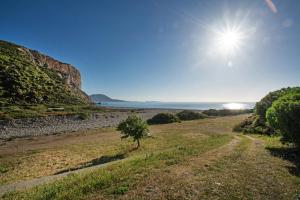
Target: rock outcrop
[(66, 71)]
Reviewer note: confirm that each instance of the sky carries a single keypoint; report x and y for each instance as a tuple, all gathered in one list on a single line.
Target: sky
[(165, 50)]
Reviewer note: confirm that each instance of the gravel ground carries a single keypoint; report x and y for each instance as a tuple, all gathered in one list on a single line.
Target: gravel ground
[(67, 124)]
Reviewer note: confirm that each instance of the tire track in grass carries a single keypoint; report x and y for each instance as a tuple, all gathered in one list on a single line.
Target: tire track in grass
[(159, 185)]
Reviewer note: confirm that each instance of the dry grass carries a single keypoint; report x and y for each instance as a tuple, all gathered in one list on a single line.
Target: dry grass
[(40, 156), (191, 160)]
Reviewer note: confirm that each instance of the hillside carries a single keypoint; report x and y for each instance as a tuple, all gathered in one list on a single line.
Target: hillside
[(96, 98), (29, 77)]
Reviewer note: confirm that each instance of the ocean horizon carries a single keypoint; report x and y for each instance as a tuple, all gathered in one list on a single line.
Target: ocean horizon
[(179, 105)]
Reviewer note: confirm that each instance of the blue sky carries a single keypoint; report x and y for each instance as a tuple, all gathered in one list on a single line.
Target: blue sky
[(163, 50)]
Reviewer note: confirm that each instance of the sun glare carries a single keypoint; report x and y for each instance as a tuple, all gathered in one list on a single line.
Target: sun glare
[(234, 106), (228, 41)]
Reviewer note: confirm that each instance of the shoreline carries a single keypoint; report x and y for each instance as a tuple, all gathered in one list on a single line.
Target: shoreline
[(193, 106), (51, 125)]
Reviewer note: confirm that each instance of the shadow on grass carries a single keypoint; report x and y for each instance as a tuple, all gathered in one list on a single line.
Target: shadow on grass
[(98, 161), (288, 153)]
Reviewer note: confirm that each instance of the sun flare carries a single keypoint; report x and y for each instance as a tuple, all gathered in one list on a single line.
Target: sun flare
[(229, 41)]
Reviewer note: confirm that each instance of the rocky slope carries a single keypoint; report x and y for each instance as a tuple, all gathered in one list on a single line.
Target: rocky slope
[(29, 77)]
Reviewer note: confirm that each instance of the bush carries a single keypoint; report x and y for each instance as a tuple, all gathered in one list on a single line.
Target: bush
[(284, 115), (134, 127), (163, 118), (258, 122), (265, 103), (190, 115), (253, 124), (3, 169), (226, 112), (84, 115)]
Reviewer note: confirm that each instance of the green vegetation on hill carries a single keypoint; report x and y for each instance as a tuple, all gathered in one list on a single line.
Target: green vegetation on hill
[(276, 113), (24, 82)]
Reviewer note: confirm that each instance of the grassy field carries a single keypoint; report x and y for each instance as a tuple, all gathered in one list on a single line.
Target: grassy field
[(199, 159)]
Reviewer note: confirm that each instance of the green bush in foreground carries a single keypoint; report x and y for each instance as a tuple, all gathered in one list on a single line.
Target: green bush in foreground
[(190, 115), (265, 103), (134, 127), (284, 115), (163, 118), (257, 123)]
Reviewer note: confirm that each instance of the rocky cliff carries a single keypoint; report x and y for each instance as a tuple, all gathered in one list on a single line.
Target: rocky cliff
[(28, 76), (66, 71)]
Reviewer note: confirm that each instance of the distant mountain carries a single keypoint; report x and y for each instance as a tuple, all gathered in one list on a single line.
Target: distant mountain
[(96, 98)]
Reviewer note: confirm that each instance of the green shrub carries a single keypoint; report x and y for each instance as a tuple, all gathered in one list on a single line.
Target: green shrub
[(190, 115), (258, 123), (226, 112), (253, 124), (265, 103), (163, 118), (84, 115), (3, 169), (284, 115), (134, 127)]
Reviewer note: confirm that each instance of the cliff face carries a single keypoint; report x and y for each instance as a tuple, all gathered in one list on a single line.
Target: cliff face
[(32, 75), (66, 71)]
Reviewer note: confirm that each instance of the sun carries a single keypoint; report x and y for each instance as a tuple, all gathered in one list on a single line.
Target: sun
[(228, 41)]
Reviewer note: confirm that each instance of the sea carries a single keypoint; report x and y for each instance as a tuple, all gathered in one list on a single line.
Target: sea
[(179, 105)]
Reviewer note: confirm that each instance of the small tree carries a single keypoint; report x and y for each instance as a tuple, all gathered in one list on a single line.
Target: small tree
[(134, 127)]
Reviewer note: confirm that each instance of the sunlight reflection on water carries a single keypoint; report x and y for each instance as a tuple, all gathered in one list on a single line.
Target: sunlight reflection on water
[(179, 105), (234, 106)]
